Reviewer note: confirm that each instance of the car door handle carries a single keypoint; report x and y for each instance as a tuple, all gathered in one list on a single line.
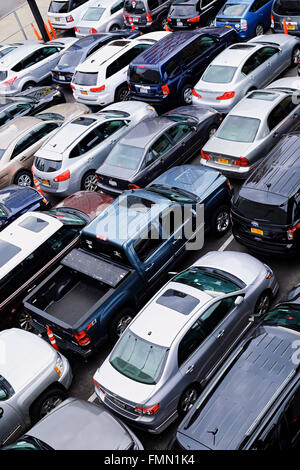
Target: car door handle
[(113, 141), (295, 116), (220, 334), (149, 266), (190, 369)]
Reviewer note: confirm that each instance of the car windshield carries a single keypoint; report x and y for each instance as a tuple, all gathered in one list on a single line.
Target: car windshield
[(234, 10), (71, 58), (184, 11), (287, 7), (212, 283), (138, 359), (125, 156), (145, 75), (59, 7), (273, 214), (134, 7), (50, 117), (6, 51), (238, 129), (218, 74), (93, 14), (287, 316)]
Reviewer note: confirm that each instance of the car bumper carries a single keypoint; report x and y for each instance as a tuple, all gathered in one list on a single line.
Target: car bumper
[(62, 82), (163, 100), (67, 376), (218, 105), (240, 173), (62, 189), (262, 247), (98, 99), (109, 190)]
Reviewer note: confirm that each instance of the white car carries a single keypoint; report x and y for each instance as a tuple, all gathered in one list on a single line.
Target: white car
[(102, 78), (102, 16), (34, 379), (64, 14)]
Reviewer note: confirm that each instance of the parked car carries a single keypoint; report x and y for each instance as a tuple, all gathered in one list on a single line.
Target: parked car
[(64, 14), (154, 145), (101, 79), (68, 161), (166, 355), (253, 400), (287, 83), (63, 112), (190, 14), (16, 200), (28, 103), (123, 258), (250, 130), (146, 15), (34, 379), (90, 417), (248, 17), (289, 11), (101, 16), (64, 70), (30, 247), (30, 65), (266, 212), (166, 73), (242, 68)]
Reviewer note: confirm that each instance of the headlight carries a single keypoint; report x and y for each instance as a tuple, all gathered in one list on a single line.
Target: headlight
[(59, 365)]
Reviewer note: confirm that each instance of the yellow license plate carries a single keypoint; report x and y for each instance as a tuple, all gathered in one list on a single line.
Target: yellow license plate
[(223, 160), (83, 92), (257, 231), (46, 182), (290, 26), (57, 19), (228, 26)]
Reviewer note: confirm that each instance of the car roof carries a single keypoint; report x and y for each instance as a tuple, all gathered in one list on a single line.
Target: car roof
[(26, 239), (252, 107), (20, 53), (143, 133), (236, 54), (279, 173), (246, 391), (12, 130), (14, 197)]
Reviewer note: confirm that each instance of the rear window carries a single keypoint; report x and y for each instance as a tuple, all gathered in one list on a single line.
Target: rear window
[(179, 301), (238, 129), (33, 224), (184, 11), (134, 7), (59, 7), (145, 75), (93, 14), (218, 74), (234, 10), (286, 316), (85, 78), (125, 156), (47, 166), (7, 252), (287, 7), (71, 58), (274, 214)]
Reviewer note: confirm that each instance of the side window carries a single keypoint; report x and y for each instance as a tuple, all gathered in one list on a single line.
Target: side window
[(75, 152), (30, 60), (42, 131), (76, 4), (190, 342), (23, 144), (178, 132), (108, 128), (280, 112), (296, 207), (18, 67), (148, 243), (61, 239), (152, 4), (189, 53), (258, 4), (251, 64), (4, 118), (161, 146), (171, 220), (117, 6), (265, 53), (216, 313), (128, 56), (18, 109), (3, 393), (47, 52), (113, 68), (172, 68), (292, 414), (89, 141)]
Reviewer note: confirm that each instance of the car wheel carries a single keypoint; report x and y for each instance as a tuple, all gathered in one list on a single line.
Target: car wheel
[(212, 131), (23, 178), (295, 56), (89, 182), (263, 303), (23, 319), (114, 27), (259, 30), (187, 399), (120, 323), (46, 402), (122, 93), (221, 221), (187, 95), (28, 85)]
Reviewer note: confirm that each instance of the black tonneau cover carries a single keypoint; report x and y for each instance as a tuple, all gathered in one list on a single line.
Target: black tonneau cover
[(94, 267)]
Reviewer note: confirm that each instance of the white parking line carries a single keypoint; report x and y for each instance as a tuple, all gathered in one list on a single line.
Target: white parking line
[(92, 397), (226, 243)]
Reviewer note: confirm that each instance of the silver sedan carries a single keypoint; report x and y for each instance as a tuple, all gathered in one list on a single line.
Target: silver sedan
[(102, 16), (250, 130), (243, 67)]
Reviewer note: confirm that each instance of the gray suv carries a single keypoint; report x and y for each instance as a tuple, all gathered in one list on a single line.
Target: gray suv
[(288, 10)]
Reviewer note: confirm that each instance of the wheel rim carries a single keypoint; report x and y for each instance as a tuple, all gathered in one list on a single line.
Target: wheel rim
[(24, 321), (49, 405), (263, 304), (296, 55), (259, 31), (212, 132), (187, 96), (223, 221), (90, 183), (123, 96), (188, 399), (122, 324), (114, 28), (24, 180)]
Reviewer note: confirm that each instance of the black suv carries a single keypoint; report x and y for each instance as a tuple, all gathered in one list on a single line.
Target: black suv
[(266, 212), (190, 14), (146, 15), (253, 402)]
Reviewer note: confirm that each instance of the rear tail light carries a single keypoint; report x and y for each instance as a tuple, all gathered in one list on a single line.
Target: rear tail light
[(204, 155), (98, 385), (128, 84), (226, 96), (82, 338), (195, 19), (133, 186), (194, 92), (291, 232), (228, 184), (272, 21), (70, 19), (76, 29), (93, 31), (243, 25), (10, 82), (98, 89), (242, 161), (149, 19), (147, 411), (63, 177), (99, 178), (165, 90), (124, 16), (168, 19), (72, 86)]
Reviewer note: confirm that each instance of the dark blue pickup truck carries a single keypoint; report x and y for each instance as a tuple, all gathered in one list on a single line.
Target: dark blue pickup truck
[(123, 258)]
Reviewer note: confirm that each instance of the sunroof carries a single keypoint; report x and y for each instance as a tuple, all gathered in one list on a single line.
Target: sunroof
[(261, 95), (34, 224), (242, 46), (179, 301)]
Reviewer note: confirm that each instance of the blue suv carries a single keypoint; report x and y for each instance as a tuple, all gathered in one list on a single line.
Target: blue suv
[(168, 71), (248, 17)]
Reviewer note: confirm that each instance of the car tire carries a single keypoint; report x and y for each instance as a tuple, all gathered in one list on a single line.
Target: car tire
[(114, 27), (28, 85), (22, 320), (23, 178), (187, 399), (120, 323), (263, 303), (221, 223), (46, 402), (122, 93), (259, 30), (186, 95), (211, 131), (89, 181), (295, 56)]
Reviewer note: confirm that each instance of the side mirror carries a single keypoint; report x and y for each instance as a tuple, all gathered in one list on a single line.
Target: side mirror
[(239, 300)]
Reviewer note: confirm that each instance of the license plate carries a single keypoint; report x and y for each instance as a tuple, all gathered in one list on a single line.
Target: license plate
[(112, 183), (227, 25), (83, 92), (290, 26), (135, 19), (257, 231), (46, 182), (179, 23), (61, 77), (57, 19), (223, 160), (144, 89)]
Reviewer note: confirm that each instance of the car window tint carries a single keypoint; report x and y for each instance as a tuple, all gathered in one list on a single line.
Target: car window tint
[(161, 146), (31, 59), (148, 243), (265, 53), (77, 3), (43, 130), (75, 152), (281, 111), (172, 68), (251, 64), (117, 6), (178, 132), (113, 68), (108, 128), (23, 144), (18, 109), (190, 342), (152, 4), (216, 313), (48, 51), (4, 118), (90, 141), (125, 59), (61, 239)]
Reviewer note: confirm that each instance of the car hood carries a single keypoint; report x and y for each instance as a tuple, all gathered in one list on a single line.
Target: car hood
[(228, 147), (115, 172), (123, 387)]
